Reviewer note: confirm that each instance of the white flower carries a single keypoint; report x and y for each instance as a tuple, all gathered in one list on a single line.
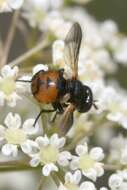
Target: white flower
[(14, 134), (121, 52), (116, 104), (118, 150), (8, 5), (37, 11), (109, 31), (88, 162), (72, 182), (8, 86), (115, 181), (47, 152), (58, 53), (118, 181)]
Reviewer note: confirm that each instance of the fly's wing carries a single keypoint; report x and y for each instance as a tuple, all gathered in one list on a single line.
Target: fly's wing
[(72, 47), (66, 120)]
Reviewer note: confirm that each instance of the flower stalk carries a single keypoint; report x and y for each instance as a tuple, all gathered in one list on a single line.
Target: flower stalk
[(10, 36)]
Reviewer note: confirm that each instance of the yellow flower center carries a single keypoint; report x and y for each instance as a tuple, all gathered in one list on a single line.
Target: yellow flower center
[(71, 186), (86, 162), (7, 85), (48, 154), (15, 136)]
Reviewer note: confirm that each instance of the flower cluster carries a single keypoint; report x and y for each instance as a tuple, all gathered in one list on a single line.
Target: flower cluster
[(13, 135), (96, 142), (47, 152), (88, 163), (118, 150)]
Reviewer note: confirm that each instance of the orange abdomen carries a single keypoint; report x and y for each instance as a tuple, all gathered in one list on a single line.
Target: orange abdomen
[(44, 86)]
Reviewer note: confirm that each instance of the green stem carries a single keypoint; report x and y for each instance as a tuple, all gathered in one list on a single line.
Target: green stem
[(41, 183), (60, 175), (55, 179), (113, 167), (9, 39), (75, 141), (15, 165)]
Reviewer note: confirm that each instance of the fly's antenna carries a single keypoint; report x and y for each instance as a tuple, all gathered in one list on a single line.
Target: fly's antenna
[(23, 80), (94, 104)]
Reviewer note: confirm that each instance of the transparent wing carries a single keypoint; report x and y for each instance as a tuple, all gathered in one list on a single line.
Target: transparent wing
[(72, 47), (66, 120)]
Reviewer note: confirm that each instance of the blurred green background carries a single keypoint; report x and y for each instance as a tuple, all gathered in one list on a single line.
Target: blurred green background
[(112, 9)]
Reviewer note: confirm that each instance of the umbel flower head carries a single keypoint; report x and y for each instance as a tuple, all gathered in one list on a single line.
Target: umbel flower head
[(88, 162), (13, 134), (8, 86), (47, 152), (72, 182)]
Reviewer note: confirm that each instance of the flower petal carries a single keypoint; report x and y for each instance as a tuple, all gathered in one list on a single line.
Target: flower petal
[(6, 71), (29, 128), (9, 149), (12, 99), (68, 177), (42, 141), (99, 169), (115, 181), (48, 168), (91, 174), (81, 149), (97, 154), (54, 140), (64, 158), (77, 177), (61, 142), (34, 162), (103, 188), (74, 163), (30, 147), (13, 120), (87, 185)]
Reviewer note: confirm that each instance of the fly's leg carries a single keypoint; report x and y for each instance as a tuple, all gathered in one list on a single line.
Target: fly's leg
[(42, 111), (59, 110)]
